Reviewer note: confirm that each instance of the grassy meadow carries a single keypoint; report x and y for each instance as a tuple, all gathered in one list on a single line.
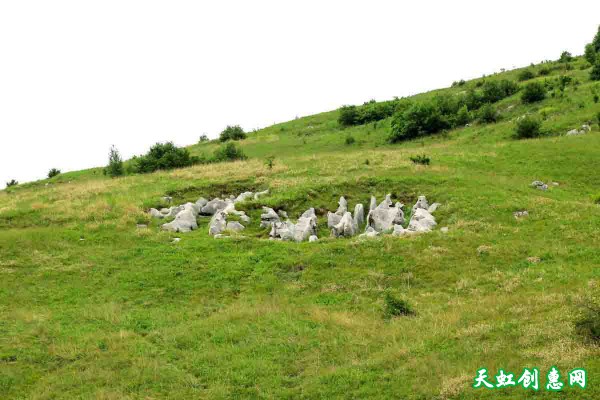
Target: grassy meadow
[(91, 307)]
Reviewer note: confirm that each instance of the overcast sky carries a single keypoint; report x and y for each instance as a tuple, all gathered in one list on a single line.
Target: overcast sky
[(79, 76)]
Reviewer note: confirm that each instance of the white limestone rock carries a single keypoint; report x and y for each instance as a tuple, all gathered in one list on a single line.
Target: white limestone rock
[(154, 213), (185, 221), (218, 223), (305, 228), (432, 208), (373, 204), (282, 230), (539, 185), (383, 218), (243, 197), (333, 219), (235, 226), (268, 217), (258, 195), (213, 206), (201, 202), (346, 227), (359, 215), (313, 238), (421, 221), (421, 203), (342, 206)]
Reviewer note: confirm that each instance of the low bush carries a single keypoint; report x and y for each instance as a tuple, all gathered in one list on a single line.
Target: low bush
[(203, 138), (229, 152), (12, 182), (53, 172), (163, 156), (420, 159), (420, 119), (526, 75), (488, 114), (494, 91), (350, 140), (544, 71), (528, 127), (533, 92), (590, 53), (348, 116), (269, 162), (463, 116), (234, 132), (395, 307)]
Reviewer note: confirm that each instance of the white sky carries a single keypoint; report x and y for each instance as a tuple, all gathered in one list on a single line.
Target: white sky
[(78, 76)]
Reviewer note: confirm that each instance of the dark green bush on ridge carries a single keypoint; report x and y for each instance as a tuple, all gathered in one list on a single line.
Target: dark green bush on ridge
[(370, 111), (533, 92), (234, 132), (12, 182), (420, 159), (595, 73), (528, 127), (526, 75), (163, 156), (350, 140), (53, 172)]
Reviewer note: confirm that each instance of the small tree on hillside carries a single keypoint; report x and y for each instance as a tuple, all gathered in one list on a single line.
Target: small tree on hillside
[(566, 57), (590, 53), (12, 182), (53, 172), (115, 163), (533, 92)]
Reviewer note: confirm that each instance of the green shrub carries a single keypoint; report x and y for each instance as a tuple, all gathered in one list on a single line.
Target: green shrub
[(596, 41), (420, 119), (270, 161), (163, 156), (203, 138), (596, 98), (590, 53), (234, 132), (488, 114), (566, 57), (420, 159), (588, 318), (595, 74), (598, 118), (544, 71), (533, 92), (229, 152), (463, 116), (497, 90), (115, 163), (350, 140), (348, 116), (53, 172), (528, 127), (12, 182), (526, 75), (396, 307)]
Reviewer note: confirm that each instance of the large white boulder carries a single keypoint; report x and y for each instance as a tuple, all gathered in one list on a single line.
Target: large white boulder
[(342, 206), (268, 217), (218, 223), (359, 215), (235, 226), (421, 203), (201, 202), (282, 230), (383, 218), (373, 204), (346, 227), (333, 219), (421, 221), (213, 206), (185, 221)]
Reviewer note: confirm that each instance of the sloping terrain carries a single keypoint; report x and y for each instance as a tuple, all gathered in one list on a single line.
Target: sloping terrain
[(92, 307)]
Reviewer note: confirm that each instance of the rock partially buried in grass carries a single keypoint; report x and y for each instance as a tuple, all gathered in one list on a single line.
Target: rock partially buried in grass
[(359, 215), (585, 128), (539, 185), (384, 216), (235, 226), (369, 233), (218, 223), (243, 197), (268, 217), (213, 206), (521, 214), (346, 227), (313, 238), (258, 195), (421, 221), (185, 221)]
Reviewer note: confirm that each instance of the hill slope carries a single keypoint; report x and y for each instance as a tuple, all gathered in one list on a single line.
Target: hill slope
[(92, 307)]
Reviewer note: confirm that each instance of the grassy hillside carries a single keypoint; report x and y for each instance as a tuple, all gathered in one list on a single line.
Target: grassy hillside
[(92, 307)]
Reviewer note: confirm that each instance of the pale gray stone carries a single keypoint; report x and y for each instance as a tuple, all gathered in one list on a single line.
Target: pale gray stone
[(201, 202), (185, 221), (258, 195), (346, 227), (282, 230), (235, 226), (359, 215), (539, 185), (373, 204), (213, 206), (305, 228), (333, 219), (399, 230), (218, 223), (342, 206), (167, 199), (421, 221), (244, 218), (432, 208), (268, 217), (244, 196), (313, 238), (383, 218), (421, 203), (155, 213), (282, 214), (444, 229)]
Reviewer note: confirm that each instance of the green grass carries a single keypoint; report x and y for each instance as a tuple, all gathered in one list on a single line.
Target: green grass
[(125, 313)]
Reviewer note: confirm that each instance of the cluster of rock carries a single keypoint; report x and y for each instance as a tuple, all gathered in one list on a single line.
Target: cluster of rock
[(304, 229), (585, 128), (186, 214), (539, 185), (385, 217)]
